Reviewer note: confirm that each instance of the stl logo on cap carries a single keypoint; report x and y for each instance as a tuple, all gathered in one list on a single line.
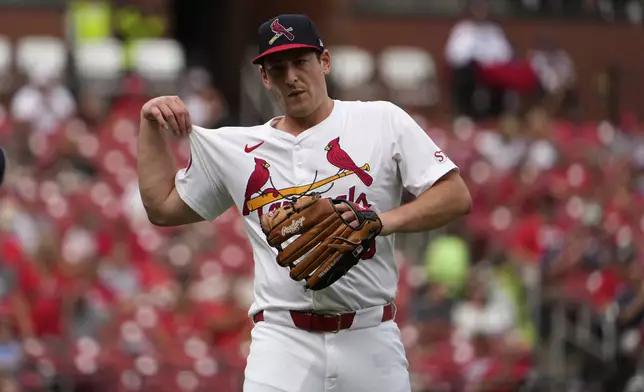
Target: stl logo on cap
[(279, 31)]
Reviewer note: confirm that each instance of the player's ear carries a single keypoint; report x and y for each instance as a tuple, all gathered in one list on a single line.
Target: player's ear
[(264, 75), (325, 60)]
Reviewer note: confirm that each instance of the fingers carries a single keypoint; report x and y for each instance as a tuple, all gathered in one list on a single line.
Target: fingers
[(169, 112), (169, 116), (181, 115), (342, 207), (188, 122), (348, 215), (350, 218), (158, 116)]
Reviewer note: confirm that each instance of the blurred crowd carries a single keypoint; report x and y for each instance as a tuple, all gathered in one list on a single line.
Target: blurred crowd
[(95, 298), (91, 293)]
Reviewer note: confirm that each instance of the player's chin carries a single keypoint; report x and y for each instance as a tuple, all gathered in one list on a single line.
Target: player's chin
[(298, 100), (299, 109)]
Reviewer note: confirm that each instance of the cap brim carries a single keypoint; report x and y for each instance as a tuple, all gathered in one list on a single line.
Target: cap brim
[(283, 48)]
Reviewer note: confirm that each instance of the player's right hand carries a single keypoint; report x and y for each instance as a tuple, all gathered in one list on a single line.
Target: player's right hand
[(169, 112)]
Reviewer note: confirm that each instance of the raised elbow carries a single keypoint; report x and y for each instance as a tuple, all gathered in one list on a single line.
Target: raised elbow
[(465, 204), (157, 219), (460, 197), (172, 212)]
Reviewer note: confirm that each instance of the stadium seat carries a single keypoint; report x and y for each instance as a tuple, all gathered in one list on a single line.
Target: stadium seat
[(352, 66), (100, 64), (35, 53), (159, 61), (409, 73)]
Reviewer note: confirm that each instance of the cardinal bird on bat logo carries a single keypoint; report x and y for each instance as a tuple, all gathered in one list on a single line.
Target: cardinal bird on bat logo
[(258, 178), (260, 190), (279, 31), (340, 159)]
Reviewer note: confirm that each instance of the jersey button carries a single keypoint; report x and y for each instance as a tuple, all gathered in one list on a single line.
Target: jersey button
[(297, 147), (299, 163)]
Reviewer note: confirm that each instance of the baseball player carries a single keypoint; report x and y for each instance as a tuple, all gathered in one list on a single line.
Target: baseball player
[(343, 337)]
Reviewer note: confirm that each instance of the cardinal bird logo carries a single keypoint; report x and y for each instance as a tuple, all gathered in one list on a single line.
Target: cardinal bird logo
[(256, 196), (256, 182), (279, 31), (340, 159)]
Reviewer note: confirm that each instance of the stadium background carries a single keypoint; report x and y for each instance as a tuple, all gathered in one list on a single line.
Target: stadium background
[(539, 289)]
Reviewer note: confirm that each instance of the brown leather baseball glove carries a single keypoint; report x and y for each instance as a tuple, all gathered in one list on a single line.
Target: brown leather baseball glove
[(326, 247)]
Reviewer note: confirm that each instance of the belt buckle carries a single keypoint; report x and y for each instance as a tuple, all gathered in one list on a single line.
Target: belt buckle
[(339, 325)]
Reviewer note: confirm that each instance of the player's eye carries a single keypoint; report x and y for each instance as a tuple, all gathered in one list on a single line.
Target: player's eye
[(277, 69), (301, 61)]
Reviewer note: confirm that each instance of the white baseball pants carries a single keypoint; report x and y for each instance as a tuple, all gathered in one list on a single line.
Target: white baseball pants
[(287, 359)]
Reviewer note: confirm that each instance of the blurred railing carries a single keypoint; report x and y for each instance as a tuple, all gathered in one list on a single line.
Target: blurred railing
[(607, 10), (33, 3)]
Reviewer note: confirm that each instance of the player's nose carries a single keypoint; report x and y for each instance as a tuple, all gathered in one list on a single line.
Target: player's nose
[(291, 76)]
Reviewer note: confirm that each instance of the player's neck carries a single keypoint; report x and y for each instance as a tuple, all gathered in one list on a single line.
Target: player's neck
[(295, 126)]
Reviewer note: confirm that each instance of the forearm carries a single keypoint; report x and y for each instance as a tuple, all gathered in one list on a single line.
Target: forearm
[(444, 202), (156, 167)]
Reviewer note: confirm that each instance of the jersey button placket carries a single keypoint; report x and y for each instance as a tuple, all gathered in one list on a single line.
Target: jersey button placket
[(298, 163)]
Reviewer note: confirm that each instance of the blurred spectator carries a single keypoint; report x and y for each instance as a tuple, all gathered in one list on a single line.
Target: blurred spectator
[(89, 20), (630, 299), (116, 270), (537, 231), (44, 103), (183, 318), (45, 290), (93, 108), (542, 153), (475, 41), (560, 258), (79, 244), (556, 73), (497, 365), (10, 351), (19, 224), (137, 20), (486, 310), (432, 306), (15, 279), (634, 11), (93, 304), (630, 323), (559, 8), (205, 103), (504, 149), (447, 260)]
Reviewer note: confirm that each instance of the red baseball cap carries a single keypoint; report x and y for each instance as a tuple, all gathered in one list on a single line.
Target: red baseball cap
[(286, 32)]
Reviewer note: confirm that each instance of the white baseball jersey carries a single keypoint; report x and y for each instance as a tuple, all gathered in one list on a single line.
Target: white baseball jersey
[(365, 152)]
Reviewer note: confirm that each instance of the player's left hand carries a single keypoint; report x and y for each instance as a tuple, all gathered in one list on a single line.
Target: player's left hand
[(348, 215), (321, 224)]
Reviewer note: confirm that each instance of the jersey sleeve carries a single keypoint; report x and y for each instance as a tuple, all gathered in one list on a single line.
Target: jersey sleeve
[(199, 184), (420, 161)]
